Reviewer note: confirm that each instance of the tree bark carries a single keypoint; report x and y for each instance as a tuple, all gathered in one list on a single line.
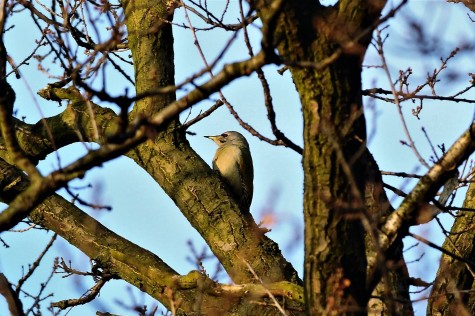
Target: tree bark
[(332, 42), (452, 292), (191, 294), (233, 237)]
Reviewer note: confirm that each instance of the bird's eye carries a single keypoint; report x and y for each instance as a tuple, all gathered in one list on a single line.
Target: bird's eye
[(224, 135)]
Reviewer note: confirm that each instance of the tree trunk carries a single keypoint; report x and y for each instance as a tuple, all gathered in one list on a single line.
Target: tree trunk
[(330, 42), (452, 292), (182, 174)]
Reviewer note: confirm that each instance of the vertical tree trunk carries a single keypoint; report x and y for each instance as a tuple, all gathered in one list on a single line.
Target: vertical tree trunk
[(452, 292), (324, 47), (183, 175), (334, 135)]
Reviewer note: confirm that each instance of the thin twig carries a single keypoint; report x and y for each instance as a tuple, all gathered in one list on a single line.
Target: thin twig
[(35, 264), (272, 297), (412, 145), (441, 249)]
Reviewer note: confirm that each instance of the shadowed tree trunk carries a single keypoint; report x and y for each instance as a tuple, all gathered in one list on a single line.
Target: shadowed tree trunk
[(452, 292), (333, 42)]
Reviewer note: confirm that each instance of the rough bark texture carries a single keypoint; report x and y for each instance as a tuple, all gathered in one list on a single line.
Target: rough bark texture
[(452, 292), (344, 202), (197, 294), (234, 238), (391, 294), (335, 256), (334, 140)]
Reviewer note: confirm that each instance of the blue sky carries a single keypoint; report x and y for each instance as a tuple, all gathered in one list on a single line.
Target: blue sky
[(146, 216)]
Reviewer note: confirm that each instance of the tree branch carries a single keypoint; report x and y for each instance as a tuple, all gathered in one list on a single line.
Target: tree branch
[(14, 304), (427, 187), (136, 265)]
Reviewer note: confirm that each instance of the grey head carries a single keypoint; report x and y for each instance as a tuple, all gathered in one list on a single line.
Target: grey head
[(230, 137)]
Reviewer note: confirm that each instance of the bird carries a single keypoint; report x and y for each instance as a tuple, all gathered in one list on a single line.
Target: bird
[(233, 162)]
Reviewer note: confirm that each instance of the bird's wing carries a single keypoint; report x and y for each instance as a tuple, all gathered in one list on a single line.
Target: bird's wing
[(246, 173)]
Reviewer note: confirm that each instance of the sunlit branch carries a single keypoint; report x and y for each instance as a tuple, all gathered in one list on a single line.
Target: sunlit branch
[(136, 265), (27, 200), (427, 187)]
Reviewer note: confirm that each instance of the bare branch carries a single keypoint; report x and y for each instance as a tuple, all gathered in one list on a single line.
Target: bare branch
[(35, 264), (14, 304), (427, 187), (91, 295)]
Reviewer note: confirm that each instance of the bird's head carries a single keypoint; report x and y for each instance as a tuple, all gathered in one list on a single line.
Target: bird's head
[(230, 137)]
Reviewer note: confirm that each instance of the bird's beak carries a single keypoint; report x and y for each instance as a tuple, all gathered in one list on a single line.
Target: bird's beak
[(214, 139)]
